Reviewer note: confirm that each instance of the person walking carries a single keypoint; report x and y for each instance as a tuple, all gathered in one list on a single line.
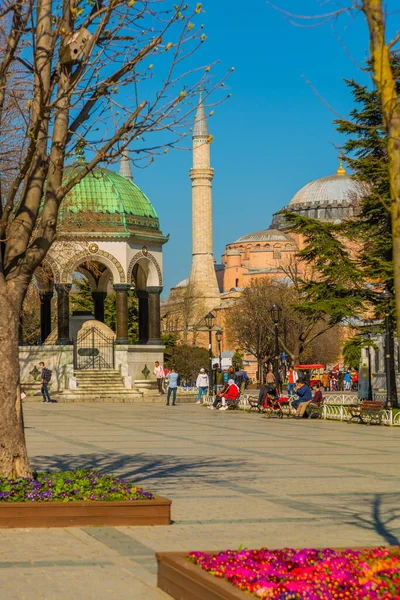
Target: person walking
[(159, 373), (347, 381), (325, 380), (45, 379), (173, 381), (202, 384), (292, 380)]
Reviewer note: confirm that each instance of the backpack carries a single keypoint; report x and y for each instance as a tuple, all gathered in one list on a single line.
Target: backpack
[(47, 375)]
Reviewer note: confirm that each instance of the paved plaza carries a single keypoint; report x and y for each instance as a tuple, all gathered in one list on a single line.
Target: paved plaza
[(234, 478)]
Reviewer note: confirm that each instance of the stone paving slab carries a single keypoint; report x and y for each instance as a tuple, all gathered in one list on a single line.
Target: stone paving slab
[(234, 478)]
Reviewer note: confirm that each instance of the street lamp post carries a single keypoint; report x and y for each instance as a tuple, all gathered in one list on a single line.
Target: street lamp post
[(209, 319), (218, 336), (368, 323), (276, 317)]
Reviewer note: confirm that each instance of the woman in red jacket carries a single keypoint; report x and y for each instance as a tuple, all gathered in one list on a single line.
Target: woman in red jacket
[(230, 392)]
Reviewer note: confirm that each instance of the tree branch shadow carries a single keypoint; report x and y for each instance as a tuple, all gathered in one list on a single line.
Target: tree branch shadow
[(142, 468), (380, 518)]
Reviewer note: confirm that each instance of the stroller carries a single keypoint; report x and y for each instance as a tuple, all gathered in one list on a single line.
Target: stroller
[(272, 404)]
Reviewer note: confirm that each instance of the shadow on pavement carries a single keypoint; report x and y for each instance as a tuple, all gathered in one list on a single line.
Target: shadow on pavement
[(142, 468)]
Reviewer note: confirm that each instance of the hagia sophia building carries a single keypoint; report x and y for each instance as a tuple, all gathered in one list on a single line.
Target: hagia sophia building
[(253, 255)]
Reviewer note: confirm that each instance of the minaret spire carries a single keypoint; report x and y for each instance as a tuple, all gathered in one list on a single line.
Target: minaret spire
[(203, 280), (125, 168)]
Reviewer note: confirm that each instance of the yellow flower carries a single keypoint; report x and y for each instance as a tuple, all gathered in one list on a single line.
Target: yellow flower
[(211, 113), (207, 69), (190, 26), (210, 139), (151, 66), (198, 8), (168, 46), (203, 37), (131, 2)]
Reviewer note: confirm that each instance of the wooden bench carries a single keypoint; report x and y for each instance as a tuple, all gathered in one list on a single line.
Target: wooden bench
[(315, 411), (369, 411), (253, 404)]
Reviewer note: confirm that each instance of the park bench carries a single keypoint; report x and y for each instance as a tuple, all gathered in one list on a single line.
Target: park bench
[(315, 411), (369, 411), (253, 404)]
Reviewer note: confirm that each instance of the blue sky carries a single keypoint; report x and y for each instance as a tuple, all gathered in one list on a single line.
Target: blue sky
[(274, 134)]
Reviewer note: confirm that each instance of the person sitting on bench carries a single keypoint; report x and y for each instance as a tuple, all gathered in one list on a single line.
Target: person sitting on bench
[(315, 402), (304, 396), (230, 392)]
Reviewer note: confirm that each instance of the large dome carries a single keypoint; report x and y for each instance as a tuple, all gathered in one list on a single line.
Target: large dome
[(104, 201), (327, 190)]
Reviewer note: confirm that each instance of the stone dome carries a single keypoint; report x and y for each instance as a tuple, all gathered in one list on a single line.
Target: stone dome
[(328, 190), (266, 235), (104, 201)]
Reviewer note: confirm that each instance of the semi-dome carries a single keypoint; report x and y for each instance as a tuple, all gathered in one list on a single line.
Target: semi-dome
[(104, 201), (266, 235)]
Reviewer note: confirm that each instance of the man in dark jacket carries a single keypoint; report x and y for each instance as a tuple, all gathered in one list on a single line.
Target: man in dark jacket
[(45, 380)]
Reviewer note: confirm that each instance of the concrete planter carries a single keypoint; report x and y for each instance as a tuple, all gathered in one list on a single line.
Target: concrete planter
[(83, 514), (183, 580)]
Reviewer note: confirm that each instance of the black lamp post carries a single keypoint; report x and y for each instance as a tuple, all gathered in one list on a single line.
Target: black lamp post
[(276, 312), (368, 323), (387, 296), (209, 319), (218, 337)]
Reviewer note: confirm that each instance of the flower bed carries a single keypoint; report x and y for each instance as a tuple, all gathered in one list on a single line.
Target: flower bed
[(366, 574), (69, 486), (82, 497), (308, 574)]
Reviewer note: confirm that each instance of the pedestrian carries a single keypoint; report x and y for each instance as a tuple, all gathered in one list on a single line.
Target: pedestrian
[(292, 380), (280, 382), (45, 379), (159, 373), (340, 381), (270, 377), (347, 381), (173, 381), (240, 378), (202, 384), (325, 380)]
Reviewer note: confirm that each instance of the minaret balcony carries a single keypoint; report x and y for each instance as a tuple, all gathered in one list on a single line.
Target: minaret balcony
[(202, 173)]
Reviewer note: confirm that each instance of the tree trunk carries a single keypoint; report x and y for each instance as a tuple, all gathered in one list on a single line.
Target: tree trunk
[(13, 455)]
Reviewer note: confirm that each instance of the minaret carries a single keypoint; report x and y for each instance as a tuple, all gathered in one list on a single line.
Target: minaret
[(203, 280), (125, 168)]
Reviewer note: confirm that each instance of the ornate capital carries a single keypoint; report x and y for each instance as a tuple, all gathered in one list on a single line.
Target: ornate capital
[(154, 289), (63, 287), (122, 287)]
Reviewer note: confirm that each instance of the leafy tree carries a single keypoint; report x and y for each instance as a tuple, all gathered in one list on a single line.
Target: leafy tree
[(188, 360), (367, 154), (249, 323)]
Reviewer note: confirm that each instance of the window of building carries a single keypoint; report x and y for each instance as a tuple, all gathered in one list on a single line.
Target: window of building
[(277, 254), (236, 282)]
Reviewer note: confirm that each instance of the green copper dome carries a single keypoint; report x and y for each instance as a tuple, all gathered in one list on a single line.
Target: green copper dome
[(104, 201)]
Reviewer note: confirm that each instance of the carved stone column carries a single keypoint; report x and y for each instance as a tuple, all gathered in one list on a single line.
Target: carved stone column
[(143, 297), (154, 314), (63, 290), (45, 315), (121, 290), (98, 299)]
